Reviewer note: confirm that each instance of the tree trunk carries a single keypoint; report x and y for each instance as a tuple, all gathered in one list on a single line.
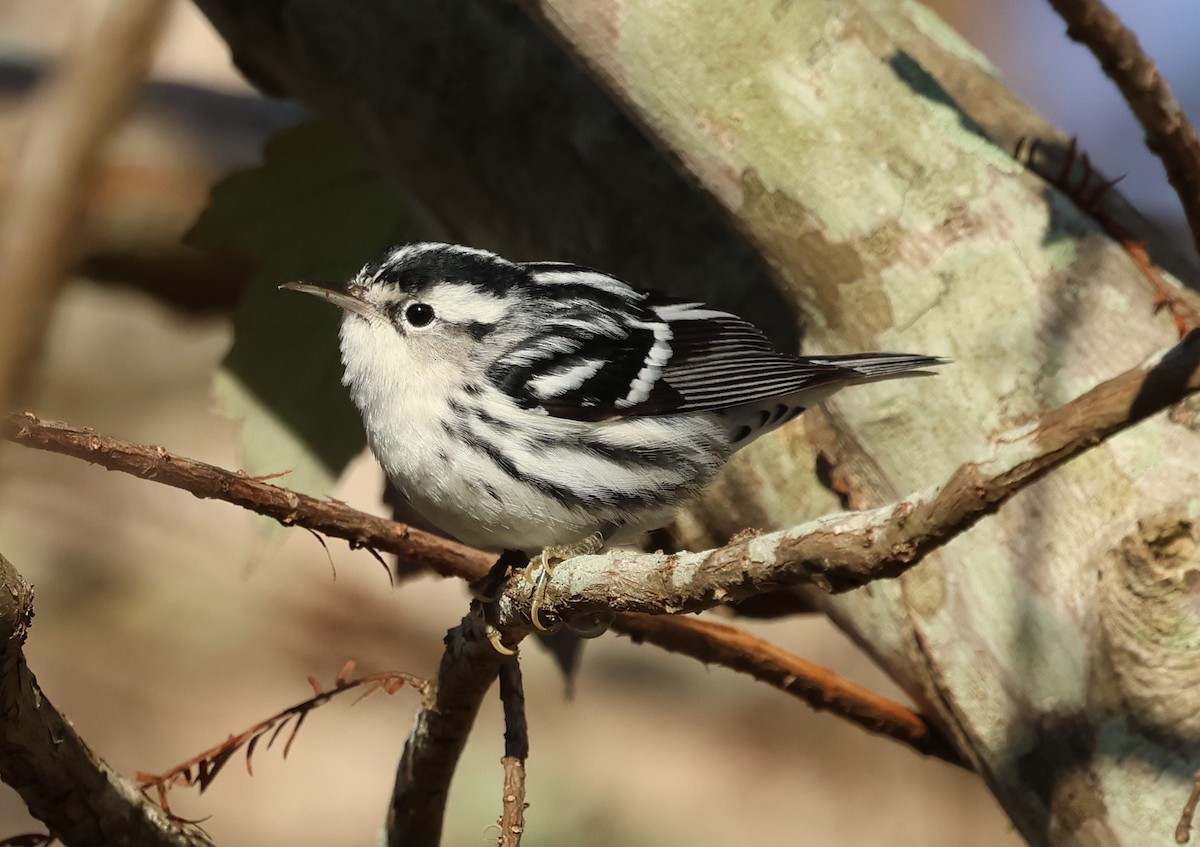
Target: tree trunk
[(863, 151)]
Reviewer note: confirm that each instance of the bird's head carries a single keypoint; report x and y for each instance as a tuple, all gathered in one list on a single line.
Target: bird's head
[(427, 305)]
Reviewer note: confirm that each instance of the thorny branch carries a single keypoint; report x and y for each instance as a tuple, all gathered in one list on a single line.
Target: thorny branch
[(845, 551), (516, 751), (468, 668), (62, 781), (1086, 191), (206, 481), (1169, 133), (442, 556)]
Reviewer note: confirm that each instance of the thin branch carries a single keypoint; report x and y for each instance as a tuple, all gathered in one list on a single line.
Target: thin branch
[(821, 688), (200, 770), (62, 781), (206, 481), (82, 105), (1183, 313), (469, 667), (1183, 830), (1169, 133), (845, 551), (516, 751)]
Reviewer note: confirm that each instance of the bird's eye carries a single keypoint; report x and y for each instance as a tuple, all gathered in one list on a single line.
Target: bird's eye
[(419, 314)]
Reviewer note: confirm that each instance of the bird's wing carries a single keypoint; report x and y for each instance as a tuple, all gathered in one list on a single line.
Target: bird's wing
[(604, 350)]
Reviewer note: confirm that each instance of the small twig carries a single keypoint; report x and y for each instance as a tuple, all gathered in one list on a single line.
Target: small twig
[(1169, 133), (516, 751), (202, 769), (1183, 832), (82, 104), (468, 668), (845, 551), (1086, 191), (1186, 317), (62, 781), (820, 688)]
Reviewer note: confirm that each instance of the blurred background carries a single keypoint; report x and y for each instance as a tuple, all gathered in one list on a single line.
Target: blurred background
[(165, 623)]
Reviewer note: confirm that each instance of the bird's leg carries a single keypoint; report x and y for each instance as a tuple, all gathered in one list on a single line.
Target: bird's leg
[(487, 591), (539, 576), (488, 588)]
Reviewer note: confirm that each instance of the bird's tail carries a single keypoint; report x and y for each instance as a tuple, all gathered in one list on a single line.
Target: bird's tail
[(878, 366)]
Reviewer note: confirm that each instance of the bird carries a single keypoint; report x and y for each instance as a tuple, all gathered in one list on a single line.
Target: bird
[(546, 408)]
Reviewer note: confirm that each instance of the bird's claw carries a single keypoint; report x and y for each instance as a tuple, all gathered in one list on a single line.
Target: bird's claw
[(495, 638), (539, 576)]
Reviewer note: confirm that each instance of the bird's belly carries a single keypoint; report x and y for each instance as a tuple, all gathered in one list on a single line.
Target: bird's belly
[(543, 482), (481, 506), (464, 493)]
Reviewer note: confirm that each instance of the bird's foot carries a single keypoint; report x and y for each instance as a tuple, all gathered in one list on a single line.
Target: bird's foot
[(479, 613), (487, 592), (494, 637), (538, 575)]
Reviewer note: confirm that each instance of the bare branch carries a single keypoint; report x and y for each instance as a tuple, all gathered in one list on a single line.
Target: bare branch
[(516, 751), (81, 107), (62, 781), (821, 688), (469, 667), (1183, 831), (210, 482), (844, 551), (1169, 133)]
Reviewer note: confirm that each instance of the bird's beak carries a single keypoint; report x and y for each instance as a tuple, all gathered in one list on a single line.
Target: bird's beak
[(348, 297)]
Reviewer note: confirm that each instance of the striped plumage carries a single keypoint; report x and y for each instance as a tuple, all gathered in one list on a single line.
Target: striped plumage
[(520, 406)]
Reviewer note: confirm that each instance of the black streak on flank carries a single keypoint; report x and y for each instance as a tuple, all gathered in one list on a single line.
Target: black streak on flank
[(494, 422)]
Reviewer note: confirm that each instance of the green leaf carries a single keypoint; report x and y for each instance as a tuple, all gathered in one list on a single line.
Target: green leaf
[(314, 210)]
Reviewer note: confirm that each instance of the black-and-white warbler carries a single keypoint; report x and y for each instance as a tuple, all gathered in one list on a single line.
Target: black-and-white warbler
[(523, 406)]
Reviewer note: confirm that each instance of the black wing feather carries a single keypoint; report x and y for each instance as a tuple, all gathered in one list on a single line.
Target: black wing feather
[(605, 350), (720, 361)]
